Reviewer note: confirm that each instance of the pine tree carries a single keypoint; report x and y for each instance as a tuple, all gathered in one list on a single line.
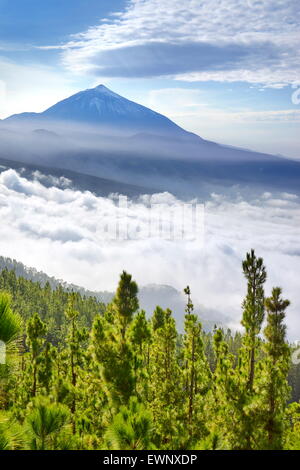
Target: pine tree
[(10, 328), (253, 316), (46, 420), (36, 331), (111, 342), (274, 388), (140, 337), (166, 388), (46, 367), (126, 302), (10, 322), (158, 318), (75, 339), (12, 435), (253, 307), (131, 428), (223, 406), (195, 371)]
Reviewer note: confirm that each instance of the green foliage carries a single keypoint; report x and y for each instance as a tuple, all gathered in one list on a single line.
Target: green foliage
[(196, 374), (292, 420), (11, 433), (112, 346), (126, 301), (166, 392), (10, 329), (255, 273), (131, 428), (10, 322), (158, 318), (274, 389), (87, 376), (28, 297), (46, 420), (253, 308)]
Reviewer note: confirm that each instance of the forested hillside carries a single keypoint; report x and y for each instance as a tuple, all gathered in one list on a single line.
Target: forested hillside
[(79, 374), (42, 278), (149, 295)]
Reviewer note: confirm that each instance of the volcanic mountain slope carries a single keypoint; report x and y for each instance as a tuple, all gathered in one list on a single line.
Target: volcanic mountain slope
[(99, 133), (50, 176), (102, 107)]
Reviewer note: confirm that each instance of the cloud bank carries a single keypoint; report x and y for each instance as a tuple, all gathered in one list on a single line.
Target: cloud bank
[(61, 231), (223, 40)]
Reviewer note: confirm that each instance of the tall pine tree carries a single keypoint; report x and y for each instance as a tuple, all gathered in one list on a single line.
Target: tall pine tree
[(274, 388)]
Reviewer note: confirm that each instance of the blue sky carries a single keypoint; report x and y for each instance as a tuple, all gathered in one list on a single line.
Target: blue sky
[(226, 69)]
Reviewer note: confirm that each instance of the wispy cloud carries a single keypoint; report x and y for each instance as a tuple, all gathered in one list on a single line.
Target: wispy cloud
[(180, 102), (224, 40), (271, 131)]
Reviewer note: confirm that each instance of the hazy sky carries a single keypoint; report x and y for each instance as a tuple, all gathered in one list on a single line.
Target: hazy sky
[(226, 69)]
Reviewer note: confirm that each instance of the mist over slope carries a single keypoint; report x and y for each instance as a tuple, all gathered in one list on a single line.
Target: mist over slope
[(63, 178), (99, 133), (150, 295)]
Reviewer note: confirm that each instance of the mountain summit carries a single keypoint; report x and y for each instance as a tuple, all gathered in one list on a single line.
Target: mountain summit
[(101, 106), (98, 133)]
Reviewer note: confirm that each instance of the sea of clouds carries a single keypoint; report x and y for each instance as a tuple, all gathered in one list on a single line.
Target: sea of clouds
[(64, 232)]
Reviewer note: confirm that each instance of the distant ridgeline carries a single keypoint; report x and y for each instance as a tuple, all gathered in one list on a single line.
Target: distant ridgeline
[(35, 292), (39, 276), (150, 295)]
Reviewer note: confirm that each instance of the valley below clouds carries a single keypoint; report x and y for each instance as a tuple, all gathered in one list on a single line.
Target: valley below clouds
[(62, 231)]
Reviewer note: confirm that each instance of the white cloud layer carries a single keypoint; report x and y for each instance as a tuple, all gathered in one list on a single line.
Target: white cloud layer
[(60, 231), (225, 40)]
